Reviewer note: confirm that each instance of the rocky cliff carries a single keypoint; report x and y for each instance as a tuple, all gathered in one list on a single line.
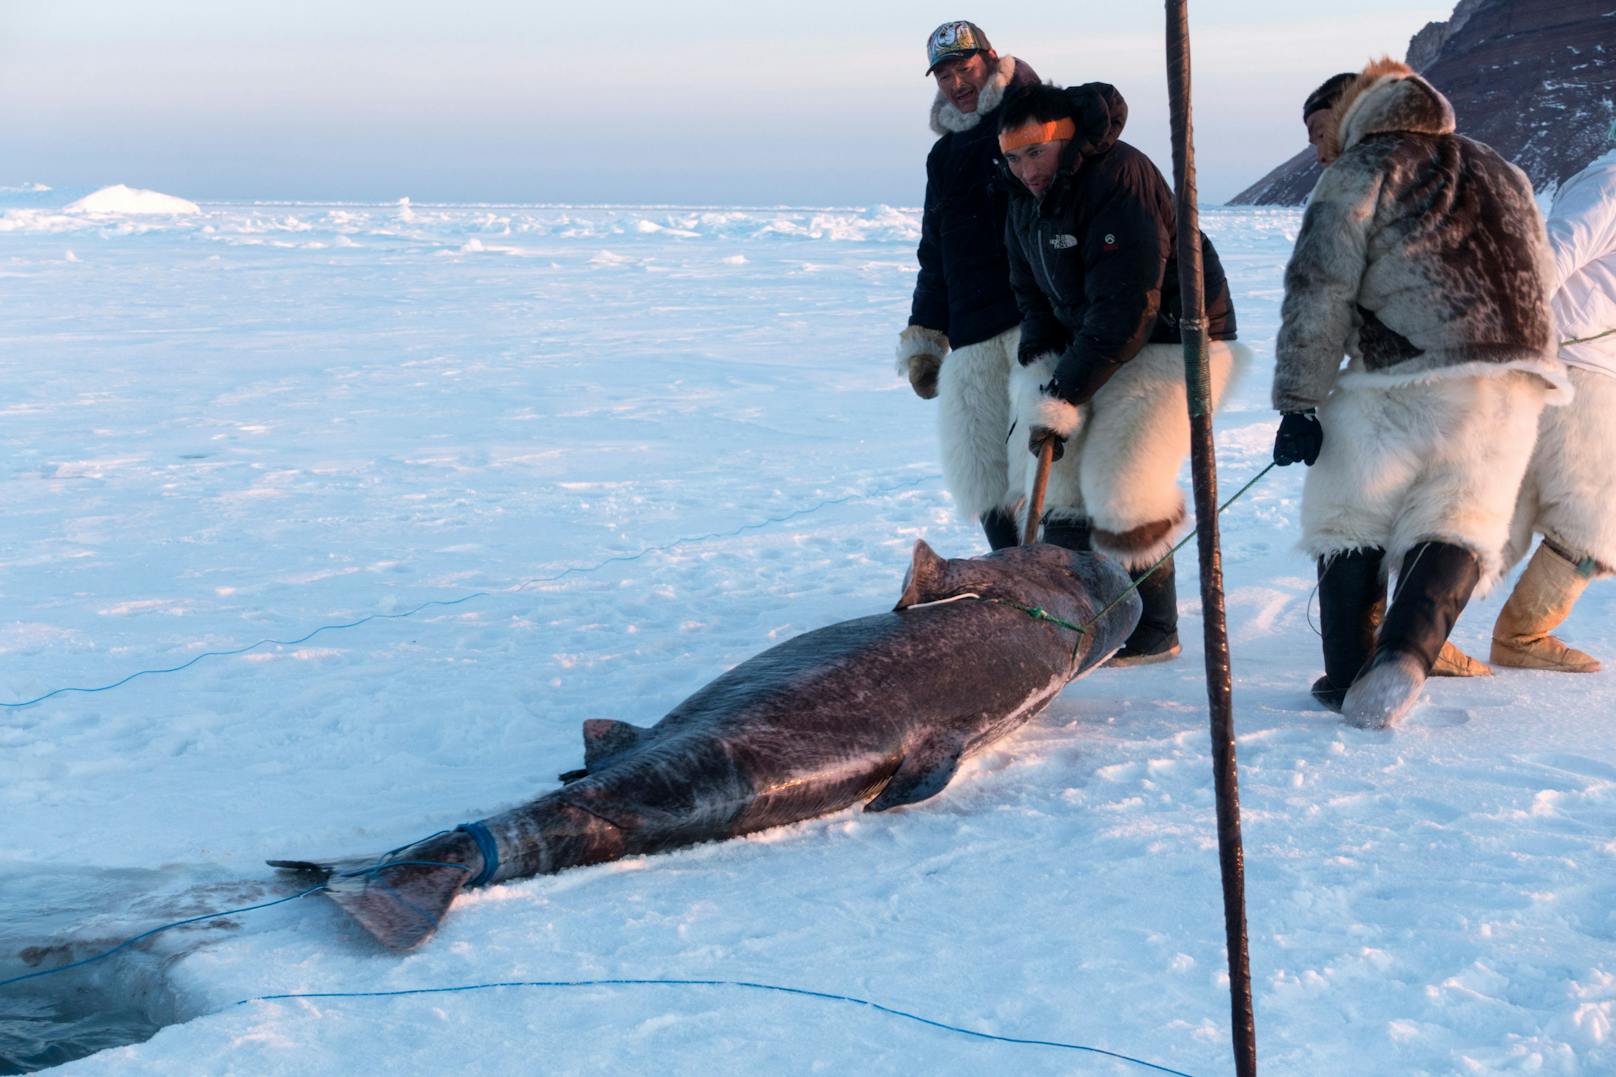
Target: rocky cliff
[(1534, 79)]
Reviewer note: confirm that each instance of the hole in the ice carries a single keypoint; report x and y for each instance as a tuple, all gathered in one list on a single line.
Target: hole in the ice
[(55, 1019), (56, 916)]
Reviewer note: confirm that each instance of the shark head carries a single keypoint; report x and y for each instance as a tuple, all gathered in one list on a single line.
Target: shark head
[(1017, 574)]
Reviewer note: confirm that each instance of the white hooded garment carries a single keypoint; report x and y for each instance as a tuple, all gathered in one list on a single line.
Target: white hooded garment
[(1582, 233)]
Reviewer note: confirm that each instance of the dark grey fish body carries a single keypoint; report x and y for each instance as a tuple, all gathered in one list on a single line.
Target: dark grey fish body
[(883, 706)]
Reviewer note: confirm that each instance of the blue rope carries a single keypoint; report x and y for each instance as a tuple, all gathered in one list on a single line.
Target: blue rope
[(803, 992), (574, 570), (377, 869), (103, 955), (488, 847)]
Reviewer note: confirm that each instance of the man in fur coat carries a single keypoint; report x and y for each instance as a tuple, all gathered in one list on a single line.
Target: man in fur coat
[(1569, 496), (1318, 116), (1092, 241), (1422, 257), (963, 310)]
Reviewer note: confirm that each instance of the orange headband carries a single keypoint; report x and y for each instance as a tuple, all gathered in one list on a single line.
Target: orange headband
[(1032, 132)]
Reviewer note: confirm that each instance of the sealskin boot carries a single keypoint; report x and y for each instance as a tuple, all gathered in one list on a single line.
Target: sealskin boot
[(1155, 638), (1352, 592), (1000, 527), (1068, 534), (1452, 662), (1542, 599), (1435, 584)]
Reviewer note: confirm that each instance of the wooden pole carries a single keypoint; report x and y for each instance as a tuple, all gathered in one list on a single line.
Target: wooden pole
[(1040, 483), (1203, 466)]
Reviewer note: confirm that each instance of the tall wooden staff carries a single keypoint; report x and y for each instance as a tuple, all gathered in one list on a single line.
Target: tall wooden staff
[(1204, 469)]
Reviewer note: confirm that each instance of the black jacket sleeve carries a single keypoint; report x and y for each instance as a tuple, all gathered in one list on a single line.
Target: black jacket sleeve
[(930, 306), (1125, 251), (1041, 331)]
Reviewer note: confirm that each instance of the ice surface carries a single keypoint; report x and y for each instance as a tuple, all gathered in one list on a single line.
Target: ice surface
[(253, 420)]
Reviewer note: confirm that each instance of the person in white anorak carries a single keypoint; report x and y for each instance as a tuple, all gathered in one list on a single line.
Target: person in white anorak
[(1569, 494), (1422, 257)]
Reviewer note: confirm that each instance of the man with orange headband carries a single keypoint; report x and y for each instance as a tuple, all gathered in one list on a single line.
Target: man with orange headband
[(1091, 235), (963, 308)]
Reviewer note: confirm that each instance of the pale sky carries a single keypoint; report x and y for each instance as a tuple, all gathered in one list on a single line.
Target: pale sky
[(690, 102)]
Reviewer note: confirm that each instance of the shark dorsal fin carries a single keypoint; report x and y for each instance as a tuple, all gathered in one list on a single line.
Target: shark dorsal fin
[(605, 737), (925, 581)]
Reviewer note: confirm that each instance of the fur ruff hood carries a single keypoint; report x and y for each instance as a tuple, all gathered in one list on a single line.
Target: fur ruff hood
[(1388, 97), (946, 119)]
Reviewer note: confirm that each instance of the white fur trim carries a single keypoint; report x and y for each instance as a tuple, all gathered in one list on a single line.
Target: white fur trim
[(1551, 372), (973, 424), (945, 118), (1438, 460), (918, 340)]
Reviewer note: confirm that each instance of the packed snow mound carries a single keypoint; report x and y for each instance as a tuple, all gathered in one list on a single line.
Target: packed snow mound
[(121, 199)]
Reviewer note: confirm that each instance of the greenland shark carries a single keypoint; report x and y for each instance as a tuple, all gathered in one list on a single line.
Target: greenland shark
[(880, 709)]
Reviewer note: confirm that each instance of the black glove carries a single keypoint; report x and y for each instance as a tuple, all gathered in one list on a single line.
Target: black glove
[(1040, 434), (1078, 378), (1299, 439)]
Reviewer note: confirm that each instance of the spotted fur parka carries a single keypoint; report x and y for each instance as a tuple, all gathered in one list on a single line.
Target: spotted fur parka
[(1422, 254)]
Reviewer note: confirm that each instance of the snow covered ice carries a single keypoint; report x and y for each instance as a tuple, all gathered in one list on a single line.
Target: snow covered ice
[(243, 422)]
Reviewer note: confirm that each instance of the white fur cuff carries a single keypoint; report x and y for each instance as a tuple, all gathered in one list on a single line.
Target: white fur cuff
[(1055, 414), (918, 340)]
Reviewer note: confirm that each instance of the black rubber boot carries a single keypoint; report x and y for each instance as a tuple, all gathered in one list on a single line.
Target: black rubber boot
[(1432, 590), (1155, 638), (1000, 528), (1068, 534), (1351, 590)]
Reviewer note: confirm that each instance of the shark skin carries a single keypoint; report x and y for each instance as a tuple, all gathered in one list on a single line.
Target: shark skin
[(879, 710)]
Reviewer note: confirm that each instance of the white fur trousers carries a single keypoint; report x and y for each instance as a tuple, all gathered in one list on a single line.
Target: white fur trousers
[(1120, 469), (973, 423), (1569, 493), (1438, 460)]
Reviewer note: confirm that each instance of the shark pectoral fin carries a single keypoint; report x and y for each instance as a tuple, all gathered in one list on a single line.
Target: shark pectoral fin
[(922, 774), (605, 737)]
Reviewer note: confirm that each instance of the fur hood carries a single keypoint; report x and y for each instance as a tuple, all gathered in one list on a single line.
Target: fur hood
[(1388, 97), (1008, 72)]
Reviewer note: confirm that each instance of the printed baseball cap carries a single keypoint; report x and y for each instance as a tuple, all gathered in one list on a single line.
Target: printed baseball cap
[(953, 40)]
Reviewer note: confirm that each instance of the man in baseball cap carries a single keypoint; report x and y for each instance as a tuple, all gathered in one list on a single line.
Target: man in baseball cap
[(963, 307)]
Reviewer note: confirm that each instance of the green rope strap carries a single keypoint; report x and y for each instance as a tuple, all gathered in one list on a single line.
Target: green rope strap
[(1584, 340), (1038, 613)]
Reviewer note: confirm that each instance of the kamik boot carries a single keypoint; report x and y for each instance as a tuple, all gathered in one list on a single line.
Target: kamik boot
[(1432, 590), (1068, 533), (1155, 638), (999, 525), (1351, 596), (1542, 599)]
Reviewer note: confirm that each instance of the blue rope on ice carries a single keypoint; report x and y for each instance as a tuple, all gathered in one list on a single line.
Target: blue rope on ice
[(125, 944), (487, 847), (575, 570), (747, 984)]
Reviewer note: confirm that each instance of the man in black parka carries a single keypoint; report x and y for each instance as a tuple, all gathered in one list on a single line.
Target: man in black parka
[(963, 308), (1091, 236)]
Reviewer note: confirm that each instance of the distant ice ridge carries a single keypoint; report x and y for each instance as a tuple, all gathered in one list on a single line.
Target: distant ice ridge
[(448, 228), (121, 199)]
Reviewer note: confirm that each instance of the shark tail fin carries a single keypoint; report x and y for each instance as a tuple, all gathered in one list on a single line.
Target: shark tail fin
[(400, 897)]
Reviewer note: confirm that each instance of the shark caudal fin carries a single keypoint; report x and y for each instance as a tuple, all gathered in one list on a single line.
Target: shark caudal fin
[(402, 896)]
